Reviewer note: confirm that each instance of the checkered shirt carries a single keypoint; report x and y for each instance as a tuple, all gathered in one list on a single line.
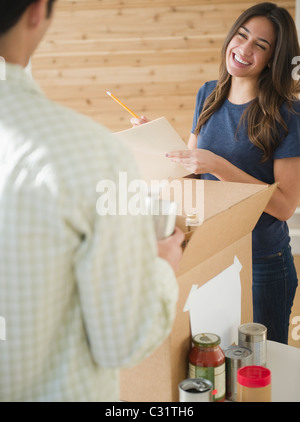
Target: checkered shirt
[(81, 294)]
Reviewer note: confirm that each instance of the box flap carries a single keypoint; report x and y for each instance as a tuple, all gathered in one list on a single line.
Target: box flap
[(227, 226)]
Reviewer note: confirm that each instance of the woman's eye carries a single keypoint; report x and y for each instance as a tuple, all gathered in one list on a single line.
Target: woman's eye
[(261, 46), (242, 35)]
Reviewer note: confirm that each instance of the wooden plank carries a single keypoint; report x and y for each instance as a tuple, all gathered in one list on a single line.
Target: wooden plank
[(131, 59), (123, 74), (158, 45), (120, 4)]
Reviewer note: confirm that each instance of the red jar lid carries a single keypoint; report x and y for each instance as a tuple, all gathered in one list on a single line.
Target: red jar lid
[(254, 376)]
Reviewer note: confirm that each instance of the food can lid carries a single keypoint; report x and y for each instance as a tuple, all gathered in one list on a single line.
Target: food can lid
[(206, 340), (253, 329), (254, 376), (237, 352), (196, 385)]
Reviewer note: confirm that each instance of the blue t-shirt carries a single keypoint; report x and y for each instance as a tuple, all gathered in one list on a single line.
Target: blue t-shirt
[(219, 135)]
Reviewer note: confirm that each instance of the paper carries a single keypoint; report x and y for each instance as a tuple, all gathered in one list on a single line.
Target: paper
[(215, 307), (149, 144)]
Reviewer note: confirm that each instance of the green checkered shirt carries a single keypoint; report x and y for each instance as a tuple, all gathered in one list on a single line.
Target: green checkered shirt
[(81, 294)]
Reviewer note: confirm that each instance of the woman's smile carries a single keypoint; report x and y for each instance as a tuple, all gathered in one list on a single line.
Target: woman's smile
[(240, 61)]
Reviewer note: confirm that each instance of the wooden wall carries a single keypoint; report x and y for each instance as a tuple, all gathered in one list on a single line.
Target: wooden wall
[(152, 54)]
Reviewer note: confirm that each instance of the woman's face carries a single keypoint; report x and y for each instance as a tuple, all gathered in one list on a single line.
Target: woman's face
[(251, 49)]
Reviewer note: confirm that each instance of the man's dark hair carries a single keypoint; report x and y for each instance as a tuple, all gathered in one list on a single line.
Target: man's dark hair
[(12, 10)]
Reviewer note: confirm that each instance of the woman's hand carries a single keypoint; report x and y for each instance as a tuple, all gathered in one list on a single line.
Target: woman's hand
[(285, 199), (137, 122), (197, 161)]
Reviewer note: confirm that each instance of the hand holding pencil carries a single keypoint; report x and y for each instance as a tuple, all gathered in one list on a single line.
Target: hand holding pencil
[(136, 120)]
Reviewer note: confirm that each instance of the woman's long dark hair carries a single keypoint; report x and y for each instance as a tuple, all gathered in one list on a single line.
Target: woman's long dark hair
[(275, 86)]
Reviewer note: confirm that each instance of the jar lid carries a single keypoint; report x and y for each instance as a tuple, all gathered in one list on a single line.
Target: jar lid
[(206, 340), (192, 216), (237, 352), (192, 220), (254, 376)]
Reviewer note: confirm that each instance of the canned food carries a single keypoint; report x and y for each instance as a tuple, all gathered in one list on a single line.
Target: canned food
[(236, 357), (196, 390), (254, 336)]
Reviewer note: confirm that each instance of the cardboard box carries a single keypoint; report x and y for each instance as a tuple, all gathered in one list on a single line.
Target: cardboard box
[(229, 212)]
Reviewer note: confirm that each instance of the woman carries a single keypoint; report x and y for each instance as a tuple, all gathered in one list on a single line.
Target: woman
[(246, 129)]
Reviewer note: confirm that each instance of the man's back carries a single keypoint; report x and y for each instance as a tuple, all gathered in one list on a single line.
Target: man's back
[(78, 291)]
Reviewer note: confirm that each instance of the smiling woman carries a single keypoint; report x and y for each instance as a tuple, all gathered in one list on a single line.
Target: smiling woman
[(246, 129), (251, 49)]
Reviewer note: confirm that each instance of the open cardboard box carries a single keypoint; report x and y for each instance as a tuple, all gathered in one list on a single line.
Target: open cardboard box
[(229, 212)]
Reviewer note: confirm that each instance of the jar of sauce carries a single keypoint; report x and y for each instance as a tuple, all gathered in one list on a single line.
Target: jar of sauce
[(207, 360)]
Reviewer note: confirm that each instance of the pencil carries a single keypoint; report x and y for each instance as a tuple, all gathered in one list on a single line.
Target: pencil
[(121, 104)]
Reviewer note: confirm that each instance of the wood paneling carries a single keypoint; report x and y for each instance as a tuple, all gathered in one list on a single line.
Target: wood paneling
[(153, 55)]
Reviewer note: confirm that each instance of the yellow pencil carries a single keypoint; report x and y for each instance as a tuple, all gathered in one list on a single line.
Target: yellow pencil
[(121, 104)]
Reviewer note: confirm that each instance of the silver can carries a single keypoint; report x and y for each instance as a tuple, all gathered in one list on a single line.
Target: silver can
[(235, 358), (196, 390), (164, 215), (254, 336)]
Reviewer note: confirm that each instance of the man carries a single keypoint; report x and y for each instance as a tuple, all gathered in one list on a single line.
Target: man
[(81, 294)]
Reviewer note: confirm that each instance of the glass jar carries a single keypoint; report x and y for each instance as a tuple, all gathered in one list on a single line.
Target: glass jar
[(207, 360), (254, 384)]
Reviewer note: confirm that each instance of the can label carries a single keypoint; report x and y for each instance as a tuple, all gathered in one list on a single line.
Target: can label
[(214, 374)]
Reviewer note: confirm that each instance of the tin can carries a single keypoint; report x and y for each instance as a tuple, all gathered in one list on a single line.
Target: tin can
[(236, 357), (254, 336), (196, 390), (164, 215), (207, 360)]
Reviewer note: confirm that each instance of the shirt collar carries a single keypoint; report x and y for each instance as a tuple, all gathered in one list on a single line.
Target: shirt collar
[(16, 74)]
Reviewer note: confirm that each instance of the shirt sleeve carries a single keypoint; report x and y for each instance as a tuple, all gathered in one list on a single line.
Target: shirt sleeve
[(290, 146), (202, 94)]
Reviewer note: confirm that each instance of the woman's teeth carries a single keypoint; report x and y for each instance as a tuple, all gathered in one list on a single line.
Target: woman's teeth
[(239, 60)]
